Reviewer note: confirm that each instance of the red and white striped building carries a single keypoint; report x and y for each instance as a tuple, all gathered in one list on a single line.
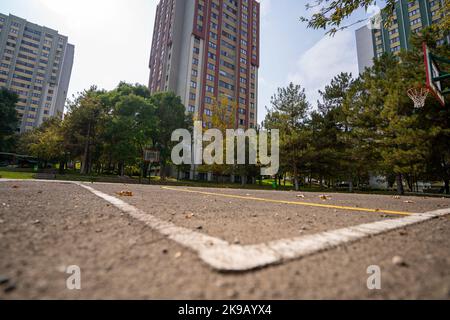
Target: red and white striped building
[(207, 51)]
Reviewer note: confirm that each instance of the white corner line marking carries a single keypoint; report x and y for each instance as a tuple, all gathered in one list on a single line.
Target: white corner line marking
[(222, 256)]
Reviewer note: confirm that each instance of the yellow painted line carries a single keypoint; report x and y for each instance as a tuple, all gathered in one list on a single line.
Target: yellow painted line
[(308, 204)]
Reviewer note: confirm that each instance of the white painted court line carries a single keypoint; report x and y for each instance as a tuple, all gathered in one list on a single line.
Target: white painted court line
[(223, 256)]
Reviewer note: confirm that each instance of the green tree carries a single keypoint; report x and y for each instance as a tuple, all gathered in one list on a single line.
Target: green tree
[(362, 117), (222, 118), (129, 126), (387, 88), (172, 116), (388, 132), (45, 143), (289, 115), (433, 119), (8, 119), (335, 144), (83, 125)]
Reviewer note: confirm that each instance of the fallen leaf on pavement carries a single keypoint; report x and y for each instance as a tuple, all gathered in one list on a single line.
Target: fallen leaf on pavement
[(125, 193), (398, 261), (190, 216)]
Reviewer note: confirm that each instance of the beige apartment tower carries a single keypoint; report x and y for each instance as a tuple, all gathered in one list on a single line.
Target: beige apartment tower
[(36, 63), (208, 51)]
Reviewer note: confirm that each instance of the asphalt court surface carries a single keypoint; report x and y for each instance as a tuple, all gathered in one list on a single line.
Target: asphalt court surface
[(46, 226), (248, 217)]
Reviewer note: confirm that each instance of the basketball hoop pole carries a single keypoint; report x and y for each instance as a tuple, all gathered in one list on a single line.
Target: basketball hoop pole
[(151, 156)]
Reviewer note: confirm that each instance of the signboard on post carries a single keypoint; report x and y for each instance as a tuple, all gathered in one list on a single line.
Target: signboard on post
[(151, 156)]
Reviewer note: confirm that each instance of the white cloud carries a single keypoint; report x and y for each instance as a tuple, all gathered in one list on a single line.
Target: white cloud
[(112, 38), (86, 14), (326, 59)]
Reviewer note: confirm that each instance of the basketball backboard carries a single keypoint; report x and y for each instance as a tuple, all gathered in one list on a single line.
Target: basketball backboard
[(151, 155), (435, 75)]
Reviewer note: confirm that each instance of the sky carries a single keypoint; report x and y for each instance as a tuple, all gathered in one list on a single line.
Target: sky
[(112, 41)]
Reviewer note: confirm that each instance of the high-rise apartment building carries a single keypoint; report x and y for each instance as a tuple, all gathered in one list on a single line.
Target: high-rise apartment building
[(36, 63), (207, 51), (410, 16)]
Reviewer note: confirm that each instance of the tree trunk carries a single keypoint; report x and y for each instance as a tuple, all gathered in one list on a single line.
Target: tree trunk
[(61, 167), (350, 185), (410, 183), (400, 189), (109, 163), (447, 186), (296, 184), (85, 162), (162, 172), (121, 169), (89, 162), (149, 168), (144, 170)]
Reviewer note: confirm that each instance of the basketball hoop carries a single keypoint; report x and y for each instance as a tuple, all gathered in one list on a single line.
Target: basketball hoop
[(419, 96)]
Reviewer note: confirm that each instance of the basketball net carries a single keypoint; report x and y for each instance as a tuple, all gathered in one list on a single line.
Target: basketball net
[(419, 96)]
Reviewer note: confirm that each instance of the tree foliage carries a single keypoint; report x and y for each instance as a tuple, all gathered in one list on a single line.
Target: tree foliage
[(171, 115), (332, 15), (289, 115), (8, 119), (367, 126), (107, 131)]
